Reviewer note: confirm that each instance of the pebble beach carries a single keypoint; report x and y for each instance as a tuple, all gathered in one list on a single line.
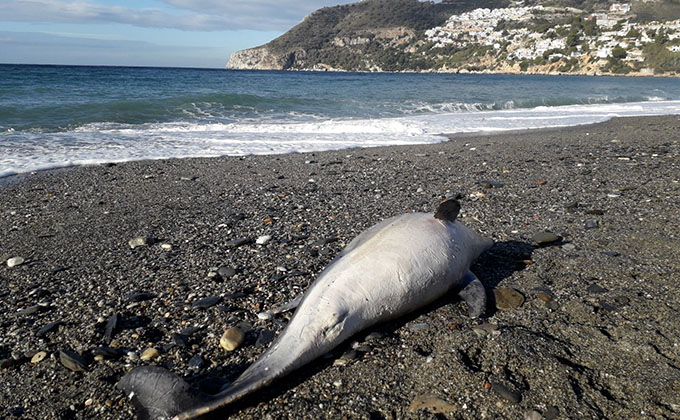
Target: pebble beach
[(109, 267)]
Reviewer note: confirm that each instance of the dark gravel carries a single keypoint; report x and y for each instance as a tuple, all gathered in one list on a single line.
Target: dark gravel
[(596, 337)]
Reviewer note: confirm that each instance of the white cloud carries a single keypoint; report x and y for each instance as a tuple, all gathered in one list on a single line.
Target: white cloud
[(191, 15)]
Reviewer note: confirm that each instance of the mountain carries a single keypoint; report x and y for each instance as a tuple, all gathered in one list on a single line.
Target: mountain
[(545, 37)]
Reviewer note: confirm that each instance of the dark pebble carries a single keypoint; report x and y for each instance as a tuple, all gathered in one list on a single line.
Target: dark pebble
[(490, 184), (607, 306), (72, 361), (140, 297), (592, 224), (622, 300), (506, 393), (8, 363), (206, 303), (544, 238), (595, 288), (47, 328), (108, 352), (110, 329), (611, 253), (571, 207), (29, 311), (16, 411), (226, 272), (196, 362), (180, 339), (189, 331), (552, 305), (325, 241), (595, 212), (265, 337), (39, 293), (238, 242), (551, 413)]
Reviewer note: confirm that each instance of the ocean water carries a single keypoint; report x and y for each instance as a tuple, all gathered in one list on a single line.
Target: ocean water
[(56, 116)]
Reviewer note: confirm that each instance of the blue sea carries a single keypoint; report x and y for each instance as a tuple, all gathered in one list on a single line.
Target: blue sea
[(56, 116)]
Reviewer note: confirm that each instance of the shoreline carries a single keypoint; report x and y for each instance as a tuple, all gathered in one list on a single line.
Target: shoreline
[(595, 336), (14, 177)]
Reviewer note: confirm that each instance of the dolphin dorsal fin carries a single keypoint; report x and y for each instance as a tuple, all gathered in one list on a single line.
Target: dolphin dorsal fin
[(448, 210)]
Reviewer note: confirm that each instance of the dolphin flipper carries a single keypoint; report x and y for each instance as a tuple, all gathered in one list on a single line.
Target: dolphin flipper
[(269, 314), (474, 295)]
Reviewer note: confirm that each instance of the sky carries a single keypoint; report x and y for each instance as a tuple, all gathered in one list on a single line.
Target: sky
[(167, 33)]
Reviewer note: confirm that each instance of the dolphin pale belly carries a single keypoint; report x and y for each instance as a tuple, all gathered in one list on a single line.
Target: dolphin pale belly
[(393, 268)]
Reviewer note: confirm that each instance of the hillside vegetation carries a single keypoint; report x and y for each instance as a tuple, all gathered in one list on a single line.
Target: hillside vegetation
[(555, 36)]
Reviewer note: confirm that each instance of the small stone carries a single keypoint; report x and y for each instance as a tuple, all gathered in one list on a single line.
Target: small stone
[(605, 306), (490, 184), (226, 272), (596, 289), (265, 316), (551, 413), (595, 212), (235, 243), (552, 305), (486, 329), (89, 402), (375, 335), (622, 300), (544, 238), (206, 303), (232, 339), (16, 411), (15, 261), (47, 328), (591, 224), (611, 253), (166, 247), (508, 299), (140, 297), (262, 240), (138, 241), (196, 361), (545, 297), (72, 361), (418, 326), (346, 358), (506, 392), (110, 329), (532, 415), (38, 357), (432, 404), (149, 354), (265, 337), (569, 247), (180, 339), (29, 310), (105, 352)]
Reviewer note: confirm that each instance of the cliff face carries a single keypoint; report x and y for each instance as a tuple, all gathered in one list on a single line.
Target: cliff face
[(259, 58), (477, 36)]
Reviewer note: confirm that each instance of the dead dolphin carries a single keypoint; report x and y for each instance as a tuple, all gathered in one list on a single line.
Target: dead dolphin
[(393, 268)]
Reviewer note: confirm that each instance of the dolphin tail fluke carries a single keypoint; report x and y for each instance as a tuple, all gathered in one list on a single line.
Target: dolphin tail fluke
[(158, 394)]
